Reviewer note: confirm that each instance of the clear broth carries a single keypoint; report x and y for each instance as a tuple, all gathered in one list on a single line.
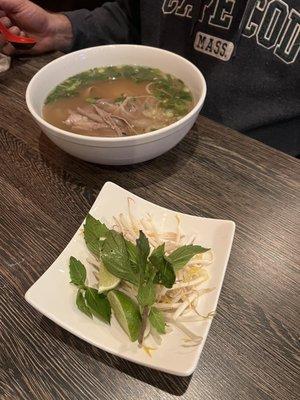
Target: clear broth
[(57, 112), (117, 101)]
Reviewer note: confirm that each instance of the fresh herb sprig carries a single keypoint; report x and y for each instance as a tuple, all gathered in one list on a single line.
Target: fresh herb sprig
[(88, 300), (174, 97), (131, 262), (70, 86), (172, 94)]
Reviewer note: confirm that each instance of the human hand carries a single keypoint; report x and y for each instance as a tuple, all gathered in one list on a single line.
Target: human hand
[(22, 17)]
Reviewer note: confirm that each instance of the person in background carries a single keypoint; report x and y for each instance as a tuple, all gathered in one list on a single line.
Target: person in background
[(248, 51)]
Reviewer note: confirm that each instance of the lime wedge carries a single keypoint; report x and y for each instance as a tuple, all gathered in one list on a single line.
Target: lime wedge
[(126, 312), (107, 281)]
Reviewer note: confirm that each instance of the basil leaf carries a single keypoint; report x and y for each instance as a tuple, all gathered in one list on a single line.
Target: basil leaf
[(146, 293), (132, 253), (143, 250), (115, 258), (167, 276), (157, 255), (98, 304), (77, 272), (181, 256), (165, 272), (94, 230), (80, 302), (157, 320)]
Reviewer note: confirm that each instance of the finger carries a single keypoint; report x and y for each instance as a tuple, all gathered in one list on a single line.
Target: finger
[(15, 30), (6, 21), (2, 41), (8, 49), (11, 5)]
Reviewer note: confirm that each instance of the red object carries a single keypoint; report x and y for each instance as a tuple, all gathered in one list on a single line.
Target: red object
[(15, 40)]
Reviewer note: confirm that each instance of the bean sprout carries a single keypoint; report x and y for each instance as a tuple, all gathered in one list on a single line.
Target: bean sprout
[(179, 303)]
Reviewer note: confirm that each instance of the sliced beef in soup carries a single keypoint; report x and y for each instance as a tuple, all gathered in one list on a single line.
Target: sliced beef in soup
[(95, 117), (117, 101)]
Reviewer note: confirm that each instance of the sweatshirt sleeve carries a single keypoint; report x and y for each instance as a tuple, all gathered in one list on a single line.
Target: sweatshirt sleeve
[(114, 22)]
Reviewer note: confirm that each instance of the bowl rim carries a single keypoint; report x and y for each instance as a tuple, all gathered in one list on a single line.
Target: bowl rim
[(123, 139)]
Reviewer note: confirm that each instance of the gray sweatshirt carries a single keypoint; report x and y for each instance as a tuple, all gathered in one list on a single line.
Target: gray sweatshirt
[(248, 52)]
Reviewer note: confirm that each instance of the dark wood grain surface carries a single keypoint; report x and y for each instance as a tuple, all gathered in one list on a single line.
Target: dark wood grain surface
[(252, 351)]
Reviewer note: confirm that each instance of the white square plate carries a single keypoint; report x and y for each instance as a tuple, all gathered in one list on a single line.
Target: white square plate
[(54, 296)]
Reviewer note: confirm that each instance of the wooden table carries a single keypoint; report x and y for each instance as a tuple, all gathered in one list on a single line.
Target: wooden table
[(251, 351)]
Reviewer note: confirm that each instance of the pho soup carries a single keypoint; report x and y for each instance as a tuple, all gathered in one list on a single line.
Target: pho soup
[(117, 101)]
